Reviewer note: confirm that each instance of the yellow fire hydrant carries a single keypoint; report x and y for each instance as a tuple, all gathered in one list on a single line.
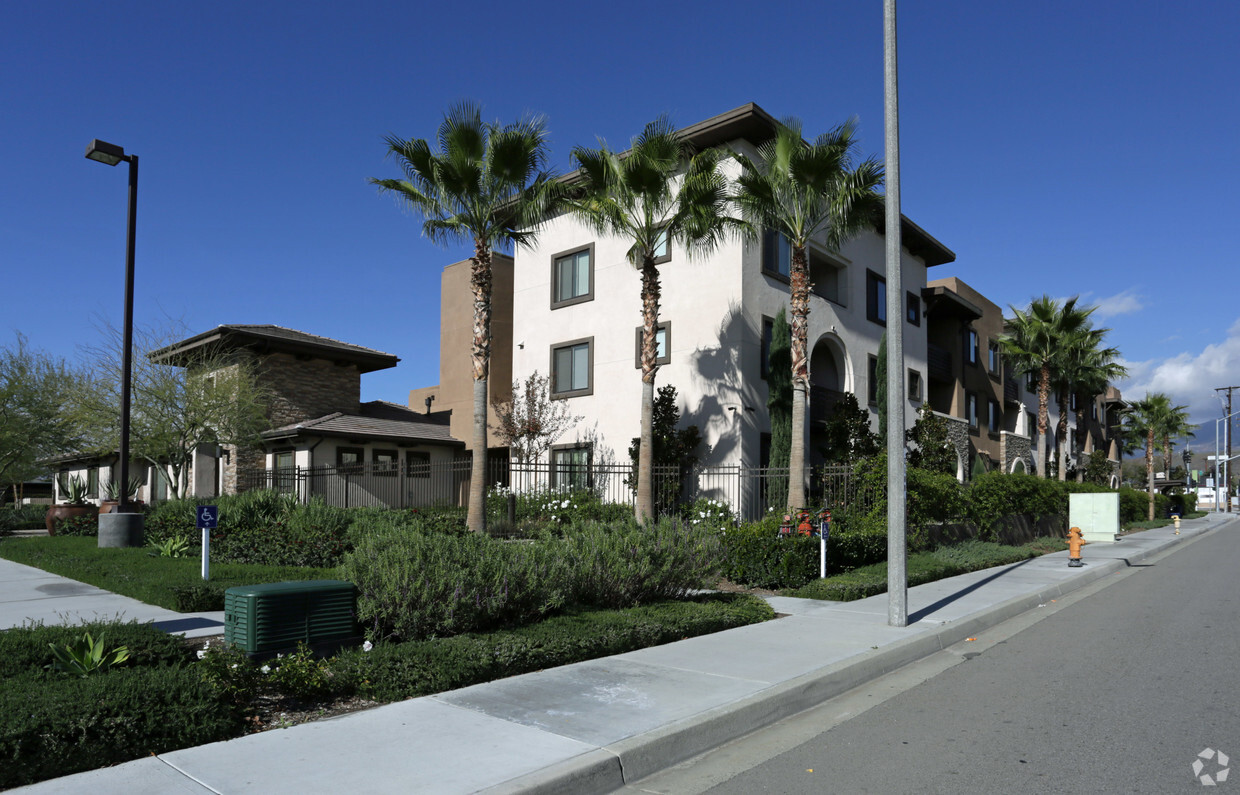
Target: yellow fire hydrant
[(1177, 524), (1075, 542)]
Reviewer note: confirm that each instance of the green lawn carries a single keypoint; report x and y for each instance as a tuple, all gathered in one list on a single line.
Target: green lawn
[(174, 583)]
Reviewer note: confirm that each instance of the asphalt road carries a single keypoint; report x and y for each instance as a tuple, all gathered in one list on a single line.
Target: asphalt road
[(1116, 688)]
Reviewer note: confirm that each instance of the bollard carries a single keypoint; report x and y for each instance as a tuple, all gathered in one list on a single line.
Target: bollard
[(1177, 524), (1075, 542), (824, 533)]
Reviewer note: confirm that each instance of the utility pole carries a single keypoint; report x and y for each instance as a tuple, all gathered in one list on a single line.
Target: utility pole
[(1227, 460)]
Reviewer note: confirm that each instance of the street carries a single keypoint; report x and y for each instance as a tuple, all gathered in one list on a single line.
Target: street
[(1116, 688)]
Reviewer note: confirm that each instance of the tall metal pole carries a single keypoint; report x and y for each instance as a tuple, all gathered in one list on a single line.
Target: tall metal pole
[(897, 573), (1227, 432), (127, 344)]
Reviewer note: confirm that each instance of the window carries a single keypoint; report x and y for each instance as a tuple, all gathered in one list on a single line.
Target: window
[(912, 309), (662, 344), (1074, 403), (873, 378), (996, 417), (970, 409), (768, 331), (875, 297), (572, 277), (1031, 382), (972, 351), (828, 277), (386, 462), (417, 464), (92, 482), (161, 484), (662, 249), (994, 363), (571, 368), (349, 460), (285, 477), (776, 254), (1032, 421), (914, 385), (1093, 411), (570, 468)]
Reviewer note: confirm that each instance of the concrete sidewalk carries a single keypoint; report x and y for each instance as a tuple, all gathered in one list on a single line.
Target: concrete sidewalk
[(594, 726)]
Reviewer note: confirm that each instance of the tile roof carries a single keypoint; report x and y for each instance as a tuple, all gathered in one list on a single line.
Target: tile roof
[(377, 419), (279, 338)]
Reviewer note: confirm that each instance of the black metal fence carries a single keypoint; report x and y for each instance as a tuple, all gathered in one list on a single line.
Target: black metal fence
[(750, 492)]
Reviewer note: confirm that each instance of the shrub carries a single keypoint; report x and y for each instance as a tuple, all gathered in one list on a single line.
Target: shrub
[(1134, 505), (757, 556), (629, 565), (22, 517), (87, 525), (994, 495), (58, 726), (419, 585), (314, 534)]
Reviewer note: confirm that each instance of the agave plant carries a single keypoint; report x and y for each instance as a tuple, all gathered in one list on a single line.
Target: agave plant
[(73, 489), (85, 655), (111, 489)]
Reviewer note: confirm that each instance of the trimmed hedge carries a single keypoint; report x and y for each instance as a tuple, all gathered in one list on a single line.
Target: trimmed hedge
[(24, 651), (758, 557), (55, 726), (394, 671)]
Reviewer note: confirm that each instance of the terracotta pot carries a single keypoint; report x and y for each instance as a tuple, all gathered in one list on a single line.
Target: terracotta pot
[(107, 506), (58, 513)]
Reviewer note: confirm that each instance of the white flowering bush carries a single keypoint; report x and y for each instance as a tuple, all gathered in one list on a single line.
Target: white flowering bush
[(710, 514)]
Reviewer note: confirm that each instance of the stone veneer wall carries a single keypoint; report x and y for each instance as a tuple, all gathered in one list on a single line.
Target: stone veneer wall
[(1015, 447), (958, 438)]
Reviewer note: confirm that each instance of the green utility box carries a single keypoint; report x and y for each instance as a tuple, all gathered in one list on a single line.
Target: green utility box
[(264, 619)]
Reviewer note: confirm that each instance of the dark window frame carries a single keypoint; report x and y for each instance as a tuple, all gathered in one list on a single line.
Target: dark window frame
[(573, 483), (972, 347), (875, 304), (912, 308), (766, 335), (971, 411), (666, 327), (659, 260), (571, 393), (417, 464), (769, 235), (557, 303), (915, 379), (350, 468), (994, 362), (841, 298), (388, 469), (994, 419)]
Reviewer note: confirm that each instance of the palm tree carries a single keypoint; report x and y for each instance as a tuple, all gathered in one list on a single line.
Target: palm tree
[(1034, 343), (1154, 418), (1084, 370), (805, 190), (486, 184), (634, 196)]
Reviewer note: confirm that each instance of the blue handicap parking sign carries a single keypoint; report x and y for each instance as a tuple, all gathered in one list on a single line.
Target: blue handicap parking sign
[(208, 517)]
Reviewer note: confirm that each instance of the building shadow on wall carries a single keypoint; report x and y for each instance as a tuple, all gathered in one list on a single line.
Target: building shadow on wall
[(728, 404)]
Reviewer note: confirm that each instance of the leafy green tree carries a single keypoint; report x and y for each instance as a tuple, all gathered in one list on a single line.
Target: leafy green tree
[(485, 184), (931, 449), (178, 403), (531, 422), (1033, 343), (672, 446), (35, 389), (779, 404), (847, 433), (1097, 469), (801, 191), (657, 195)]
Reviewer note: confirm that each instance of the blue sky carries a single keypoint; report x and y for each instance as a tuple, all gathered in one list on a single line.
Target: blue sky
[(1079, 147)]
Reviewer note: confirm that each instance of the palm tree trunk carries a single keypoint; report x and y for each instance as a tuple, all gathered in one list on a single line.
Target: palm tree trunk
[(644, 509), (799, 305), (480, 284), (1082, 442), (1044, 417), (1149, 470)]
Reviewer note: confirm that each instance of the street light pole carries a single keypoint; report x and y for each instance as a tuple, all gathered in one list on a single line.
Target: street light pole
[(111, 154), (897, 573)]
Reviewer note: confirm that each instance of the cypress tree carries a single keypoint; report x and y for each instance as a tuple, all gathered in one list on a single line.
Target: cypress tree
[(779, 405)]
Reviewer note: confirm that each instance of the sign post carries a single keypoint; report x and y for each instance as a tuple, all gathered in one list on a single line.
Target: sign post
[(824, 535), (208, 520)]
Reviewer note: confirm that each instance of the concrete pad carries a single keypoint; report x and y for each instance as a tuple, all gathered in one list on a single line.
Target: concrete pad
[(148, 776), (601, 701), (415, 746)]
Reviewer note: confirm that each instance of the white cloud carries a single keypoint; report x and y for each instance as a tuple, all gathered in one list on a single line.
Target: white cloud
[(1124, 303), (1190, 380)]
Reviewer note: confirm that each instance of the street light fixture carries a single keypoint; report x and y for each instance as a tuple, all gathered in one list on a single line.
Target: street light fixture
[(111, 154)]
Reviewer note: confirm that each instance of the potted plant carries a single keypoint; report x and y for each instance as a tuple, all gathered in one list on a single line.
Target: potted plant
[(112, 494), (73, 491)]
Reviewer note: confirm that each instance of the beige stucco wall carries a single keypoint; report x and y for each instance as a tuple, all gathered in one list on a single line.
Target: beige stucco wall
[(455, 390)]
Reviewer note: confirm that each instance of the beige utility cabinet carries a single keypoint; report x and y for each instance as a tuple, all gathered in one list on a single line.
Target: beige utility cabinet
[(1096, 514)]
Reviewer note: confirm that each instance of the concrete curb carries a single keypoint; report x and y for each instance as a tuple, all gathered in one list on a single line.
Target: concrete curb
[(634, 758)]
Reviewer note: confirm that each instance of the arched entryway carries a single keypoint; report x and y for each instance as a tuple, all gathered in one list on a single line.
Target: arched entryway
[(829, 380)]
